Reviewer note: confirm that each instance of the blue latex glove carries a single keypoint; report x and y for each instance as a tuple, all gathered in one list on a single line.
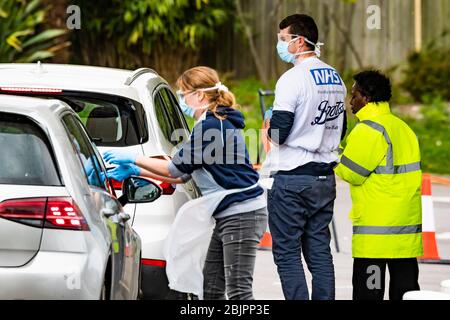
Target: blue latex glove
[(119, 157), (122, 172), (268, 114), (88, 167), (140, 183), (93, 179)]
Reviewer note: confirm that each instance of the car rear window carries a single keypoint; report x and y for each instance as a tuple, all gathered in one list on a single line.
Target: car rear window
[(26, 157), (110, 120)]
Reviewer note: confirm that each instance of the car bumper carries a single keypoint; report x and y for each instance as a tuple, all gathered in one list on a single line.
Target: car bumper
[(51, 276)]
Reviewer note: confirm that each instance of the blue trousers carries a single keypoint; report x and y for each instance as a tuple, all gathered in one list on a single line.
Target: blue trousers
[(300, 211)]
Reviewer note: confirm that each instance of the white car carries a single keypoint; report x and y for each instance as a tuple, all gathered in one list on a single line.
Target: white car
[(63, 232), (135, 110)]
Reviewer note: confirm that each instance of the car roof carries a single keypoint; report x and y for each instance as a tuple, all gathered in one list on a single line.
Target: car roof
[(36, 108), (71, 77)]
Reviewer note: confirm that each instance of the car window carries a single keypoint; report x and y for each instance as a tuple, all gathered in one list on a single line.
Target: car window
[(27, 156), (108, 123), (171, 107), (84, 149), (110, 120), (173, 121), (162, 117)]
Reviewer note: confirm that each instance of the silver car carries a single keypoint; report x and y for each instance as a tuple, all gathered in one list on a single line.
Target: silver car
[(127, 110), (63, 233)]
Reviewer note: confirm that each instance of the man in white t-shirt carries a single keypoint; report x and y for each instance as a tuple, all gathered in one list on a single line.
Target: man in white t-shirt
[(306, 128)]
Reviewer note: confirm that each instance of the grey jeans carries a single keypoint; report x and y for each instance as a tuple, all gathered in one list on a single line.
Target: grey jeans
[(230, 261)]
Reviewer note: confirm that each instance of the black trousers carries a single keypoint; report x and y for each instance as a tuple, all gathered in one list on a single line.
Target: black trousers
[(369, 278)]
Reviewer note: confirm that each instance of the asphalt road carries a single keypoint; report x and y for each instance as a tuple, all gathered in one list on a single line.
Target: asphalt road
[(267, 284)]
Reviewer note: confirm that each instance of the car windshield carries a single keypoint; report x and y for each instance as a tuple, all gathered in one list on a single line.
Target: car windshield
[(26, 157)]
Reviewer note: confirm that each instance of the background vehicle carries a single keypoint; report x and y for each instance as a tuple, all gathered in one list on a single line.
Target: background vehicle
[(121, 109), (63, 233)]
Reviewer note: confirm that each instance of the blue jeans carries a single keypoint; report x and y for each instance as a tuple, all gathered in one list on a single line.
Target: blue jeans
[(300, 210)]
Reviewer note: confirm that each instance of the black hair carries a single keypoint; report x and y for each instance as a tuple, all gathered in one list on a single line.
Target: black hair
[(302, 25), (374, 85)]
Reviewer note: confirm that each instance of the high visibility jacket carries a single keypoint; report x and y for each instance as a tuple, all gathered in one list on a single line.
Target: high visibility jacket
[(382, 164)]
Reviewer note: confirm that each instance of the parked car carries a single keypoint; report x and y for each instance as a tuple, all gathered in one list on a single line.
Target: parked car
[(134, 110), (63, 232)]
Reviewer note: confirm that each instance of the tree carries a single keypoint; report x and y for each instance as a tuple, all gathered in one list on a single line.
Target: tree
[(165, 34), (22, 35)]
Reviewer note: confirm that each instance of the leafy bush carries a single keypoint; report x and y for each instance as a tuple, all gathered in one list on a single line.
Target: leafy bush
[(163, 34), (428, 73), (22, 38), (433, 131)]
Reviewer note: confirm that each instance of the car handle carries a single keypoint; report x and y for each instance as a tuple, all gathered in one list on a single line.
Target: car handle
[(124, 217), (108, 213)]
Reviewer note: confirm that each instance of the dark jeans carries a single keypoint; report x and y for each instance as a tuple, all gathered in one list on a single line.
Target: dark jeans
[(369, 278), (300, 210), (230, 261)]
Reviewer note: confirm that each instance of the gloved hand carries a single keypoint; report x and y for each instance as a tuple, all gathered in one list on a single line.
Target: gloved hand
[(268, 114), (119, 157), (93, 179), (122, 172)]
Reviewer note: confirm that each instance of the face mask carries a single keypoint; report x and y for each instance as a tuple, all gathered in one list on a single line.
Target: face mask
[(286, 56), (185, 108), (283, 51)]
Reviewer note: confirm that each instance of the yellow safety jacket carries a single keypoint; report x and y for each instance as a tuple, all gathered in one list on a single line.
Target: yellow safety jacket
[(382, 164)]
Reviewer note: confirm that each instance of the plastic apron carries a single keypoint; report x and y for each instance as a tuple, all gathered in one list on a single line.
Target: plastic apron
[(189, 237)]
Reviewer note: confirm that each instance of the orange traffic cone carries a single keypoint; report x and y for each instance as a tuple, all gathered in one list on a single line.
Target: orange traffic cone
[(266, 241), (430, 250)]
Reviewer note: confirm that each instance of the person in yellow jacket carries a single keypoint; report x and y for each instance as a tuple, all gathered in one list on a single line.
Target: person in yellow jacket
[(381, 162)]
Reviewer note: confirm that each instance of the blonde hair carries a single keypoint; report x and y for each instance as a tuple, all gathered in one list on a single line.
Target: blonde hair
[(202, 78)]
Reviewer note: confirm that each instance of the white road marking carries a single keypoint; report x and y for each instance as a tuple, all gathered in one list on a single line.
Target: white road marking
[(441, 199), (443, 236)]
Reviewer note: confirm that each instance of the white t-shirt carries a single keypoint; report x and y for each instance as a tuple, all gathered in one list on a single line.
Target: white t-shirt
[(315, 93)]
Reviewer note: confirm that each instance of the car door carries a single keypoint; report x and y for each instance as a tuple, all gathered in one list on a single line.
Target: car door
[(106, 205), (175, 125), (130, 272)]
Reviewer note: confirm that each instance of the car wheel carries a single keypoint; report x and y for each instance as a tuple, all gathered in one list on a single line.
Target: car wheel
[(103, 292)]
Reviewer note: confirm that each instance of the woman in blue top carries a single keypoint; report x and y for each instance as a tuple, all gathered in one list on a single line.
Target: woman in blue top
[(217, 159)]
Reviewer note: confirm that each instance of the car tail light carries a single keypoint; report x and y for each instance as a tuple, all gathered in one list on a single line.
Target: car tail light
[(63, 213), (166, 187), (31, 90), (51, 212), (27, 211), (117, 185), (153, 263)]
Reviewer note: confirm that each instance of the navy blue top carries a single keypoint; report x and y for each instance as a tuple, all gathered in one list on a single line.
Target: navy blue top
[(235, 174)]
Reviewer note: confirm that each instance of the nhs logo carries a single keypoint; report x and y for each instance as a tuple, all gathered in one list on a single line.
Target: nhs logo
[(325, 76)]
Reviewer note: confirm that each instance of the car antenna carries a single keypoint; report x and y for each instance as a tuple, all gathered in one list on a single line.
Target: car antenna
[(39, 68)]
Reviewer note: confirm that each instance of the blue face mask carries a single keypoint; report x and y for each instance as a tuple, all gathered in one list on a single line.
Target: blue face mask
[(286, 56), (184, 106), (283, 52)]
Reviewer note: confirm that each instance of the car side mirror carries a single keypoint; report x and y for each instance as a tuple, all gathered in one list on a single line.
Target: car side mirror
[(139, 190)]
